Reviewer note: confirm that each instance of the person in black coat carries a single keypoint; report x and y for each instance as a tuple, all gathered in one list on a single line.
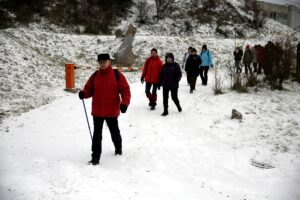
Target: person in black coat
[(298, 59), (169, 79), (192, 68), (238, 54)]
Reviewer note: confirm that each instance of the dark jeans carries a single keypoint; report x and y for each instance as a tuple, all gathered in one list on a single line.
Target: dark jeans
[(151, 96), (148, 88), (203, 74), (193, 80), (255, 67), (259, 68), (174, 96), (237, 66), (247, 66), (112, 123)]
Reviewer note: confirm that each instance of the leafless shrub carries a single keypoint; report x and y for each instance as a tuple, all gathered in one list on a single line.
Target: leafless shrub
[(143, 8), (251, 81), (239, 84), (218, 87), (252, 7), (163, 7)]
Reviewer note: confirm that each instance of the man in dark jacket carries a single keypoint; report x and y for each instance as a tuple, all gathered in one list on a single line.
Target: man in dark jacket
[(238, 53), (169, 80), (192, 68), (268, 62), (105, 89)]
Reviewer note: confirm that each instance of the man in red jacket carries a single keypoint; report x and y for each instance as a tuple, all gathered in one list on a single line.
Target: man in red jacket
[(151, 74), (105, 87)]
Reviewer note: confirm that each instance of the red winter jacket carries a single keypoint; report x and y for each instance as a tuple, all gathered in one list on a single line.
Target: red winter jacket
[(105, 90), (260, 55), (152, 68)]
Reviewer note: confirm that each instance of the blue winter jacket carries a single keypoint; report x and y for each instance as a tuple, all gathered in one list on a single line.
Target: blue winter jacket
[(206, 59)]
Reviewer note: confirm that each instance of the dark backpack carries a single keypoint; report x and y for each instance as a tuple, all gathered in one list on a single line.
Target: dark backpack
[(117, 75)]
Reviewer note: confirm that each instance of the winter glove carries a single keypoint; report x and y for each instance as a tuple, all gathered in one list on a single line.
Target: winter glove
[(211, 66), (158, 87), (123, 108), (81, 94), (142, 80)]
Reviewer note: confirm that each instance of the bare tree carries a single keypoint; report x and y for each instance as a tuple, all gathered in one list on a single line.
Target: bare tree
[(143, 8), (163, 7), (252, 6)]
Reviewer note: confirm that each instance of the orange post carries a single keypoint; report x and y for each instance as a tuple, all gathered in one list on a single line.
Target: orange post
[(70, 76)]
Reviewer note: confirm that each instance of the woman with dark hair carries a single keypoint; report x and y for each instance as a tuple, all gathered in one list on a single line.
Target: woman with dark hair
[(206, 63), (169, 79)]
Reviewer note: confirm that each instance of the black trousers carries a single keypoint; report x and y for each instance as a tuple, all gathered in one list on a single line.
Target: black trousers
[(203, 74), (247, 66), (112, 123), (174, 96), (193, 80), (148, 88)]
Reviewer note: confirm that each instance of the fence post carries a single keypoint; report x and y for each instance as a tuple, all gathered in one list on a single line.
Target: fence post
[(70, 76)]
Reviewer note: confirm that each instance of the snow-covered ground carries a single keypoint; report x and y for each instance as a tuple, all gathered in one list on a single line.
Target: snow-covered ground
[(198, 154)]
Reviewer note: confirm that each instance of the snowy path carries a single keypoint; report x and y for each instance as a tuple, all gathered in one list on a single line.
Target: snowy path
[(197, 154)]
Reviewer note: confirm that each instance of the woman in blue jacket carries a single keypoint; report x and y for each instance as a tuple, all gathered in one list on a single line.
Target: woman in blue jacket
[(206, 63)]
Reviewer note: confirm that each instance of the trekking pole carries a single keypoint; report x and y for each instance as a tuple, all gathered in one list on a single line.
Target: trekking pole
[(87, 119)]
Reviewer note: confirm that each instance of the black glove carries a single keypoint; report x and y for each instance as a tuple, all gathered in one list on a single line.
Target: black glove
[(158, 87), (211, 66), (142, 80), (81, 94), (123, 108)]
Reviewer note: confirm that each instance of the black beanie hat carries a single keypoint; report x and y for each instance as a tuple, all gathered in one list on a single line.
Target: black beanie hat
[(103, 56)]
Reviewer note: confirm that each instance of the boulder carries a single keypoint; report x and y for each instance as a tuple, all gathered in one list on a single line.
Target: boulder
[(236, 114), (124, 56)]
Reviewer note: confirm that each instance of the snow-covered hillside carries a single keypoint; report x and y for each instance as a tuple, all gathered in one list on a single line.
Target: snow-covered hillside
[(33, 58)]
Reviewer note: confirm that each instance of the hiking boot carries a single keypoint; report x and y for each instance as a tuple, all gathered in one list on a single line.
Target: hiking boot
[(152, 107), (179, 108), (118, 152), (93, 162), (165, 113)]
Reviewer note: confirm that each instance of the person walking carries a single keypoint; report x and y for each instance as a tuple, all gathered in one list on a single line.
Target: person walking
[(247, 59), (105, 87), (192, 68), (151, 73), (238, 53), (298, 60), (184, 59), (206, 63), (169, 80), (254, 61), (260, 58)]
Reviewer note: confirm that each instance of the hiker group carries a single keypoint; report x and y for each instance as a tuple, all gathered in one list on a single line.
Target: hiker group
[(268, 58), (167, 75), (111, 92)]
